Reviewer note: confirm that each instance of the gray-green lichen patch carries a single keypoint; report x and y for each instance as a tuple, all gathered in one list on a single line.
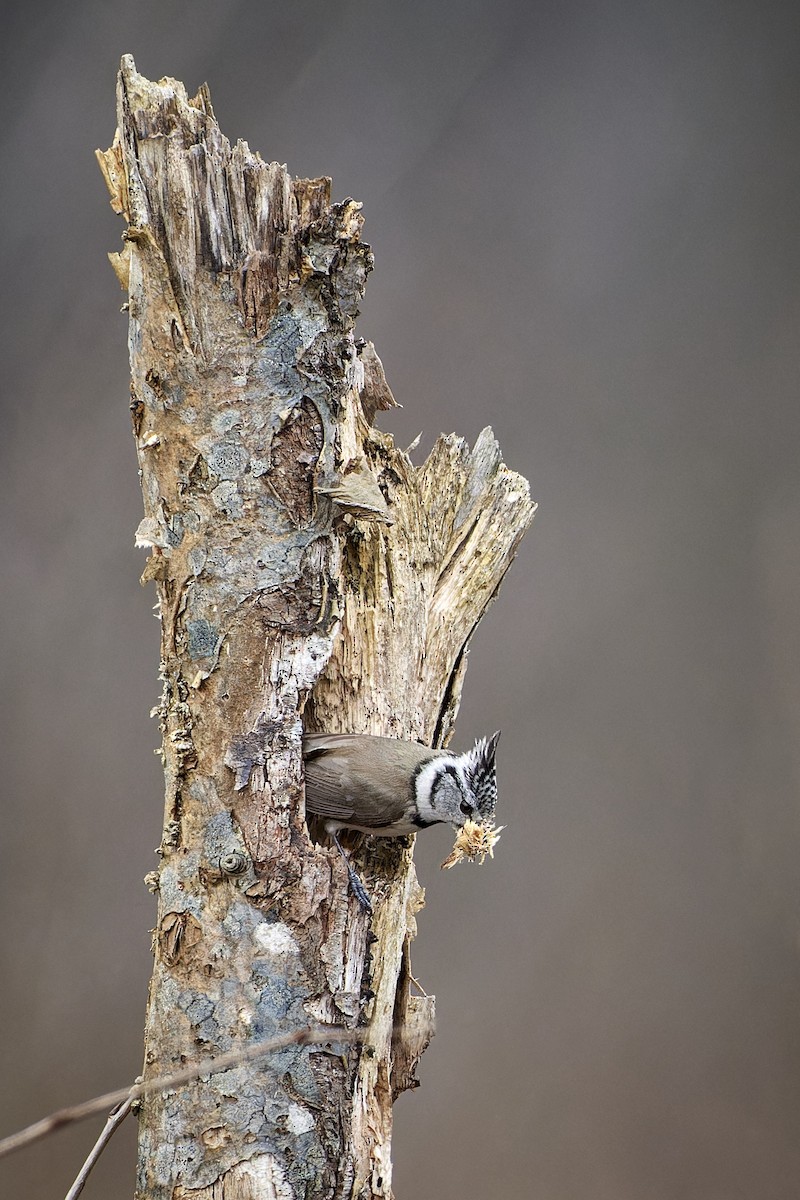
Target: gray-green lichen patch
[(202, 638)]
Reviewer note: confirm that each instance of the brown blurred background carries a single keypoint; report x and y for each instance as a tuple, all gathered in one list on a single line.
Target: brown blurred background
[(585, 219)]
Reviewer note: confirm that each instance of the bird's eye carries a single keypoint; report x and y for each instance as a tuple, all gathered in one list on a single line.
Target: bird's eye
[(466, 808)]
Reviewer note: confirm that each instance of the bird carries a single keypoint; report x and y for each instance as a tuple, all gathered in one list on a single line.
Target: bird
[(388, 788)]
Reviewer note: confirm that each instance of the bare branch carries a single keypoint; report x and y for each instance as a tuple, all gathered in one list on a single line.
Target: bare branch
[(115, 1119), (208, 1066)]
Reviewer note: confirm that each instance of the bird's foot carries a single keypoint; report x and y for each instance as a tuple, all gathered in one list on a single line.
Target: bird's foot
[(359, 891)]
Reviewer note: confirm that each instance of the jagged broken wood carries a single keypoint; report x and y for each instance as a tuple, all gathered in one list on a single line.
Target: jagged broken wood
[(306, 572)]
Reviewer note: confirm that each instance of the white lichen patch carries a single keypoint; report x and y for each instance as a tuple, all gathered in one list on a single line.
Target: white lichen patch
[(226, 498), (298, 1119), (275, 939)]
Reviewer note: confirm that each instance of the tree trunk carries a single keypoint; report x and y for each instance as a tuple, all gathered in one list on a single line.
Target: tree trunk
[(306, 572)]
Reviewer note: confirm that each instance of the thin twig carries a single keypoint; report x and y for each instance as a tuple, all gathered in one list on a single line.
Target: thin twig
[(115, 1119), (209, 1066)]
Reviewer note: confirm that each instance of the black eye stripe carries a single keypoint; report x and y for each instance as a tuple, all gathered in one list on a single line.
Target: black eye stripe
[(447, 769)]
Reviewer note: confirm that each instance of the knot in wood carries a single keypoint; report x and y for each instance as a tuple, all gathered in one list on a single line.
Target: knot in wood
[(234, 863)]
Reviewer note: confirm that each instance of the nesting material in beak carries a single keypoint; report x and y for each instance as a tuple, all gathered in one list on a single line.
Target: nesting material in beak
[(473, 841)]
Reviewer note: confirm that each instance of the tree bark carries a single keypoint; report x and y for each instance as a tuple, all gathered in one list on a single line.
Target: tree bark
[(306, 572)]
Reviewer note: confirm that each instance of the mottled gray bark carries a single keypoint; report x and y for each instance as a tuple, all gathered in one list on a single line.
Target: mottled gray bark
[(305, 571)]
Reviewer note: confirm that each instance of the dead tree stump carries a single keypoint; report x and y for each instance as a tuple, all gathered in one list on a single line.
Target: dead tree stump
[(306, 572)]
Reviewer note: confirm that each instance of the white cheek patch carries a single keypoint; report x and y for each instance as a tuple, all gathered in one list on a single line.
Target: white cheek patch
[(424, 782)]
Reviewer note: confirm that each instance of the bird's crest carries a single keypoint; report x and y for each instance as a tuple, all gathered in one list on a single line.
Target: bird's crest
[(479, 769)]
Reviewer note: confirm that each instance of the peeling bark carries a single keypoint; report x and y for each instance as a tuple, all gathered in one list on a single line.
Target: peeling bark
[(306, 571)]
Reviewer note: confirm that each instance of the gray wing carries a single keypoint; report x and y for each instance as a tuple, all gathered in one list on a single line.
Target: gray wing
[(361, 779), (325, 794)]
